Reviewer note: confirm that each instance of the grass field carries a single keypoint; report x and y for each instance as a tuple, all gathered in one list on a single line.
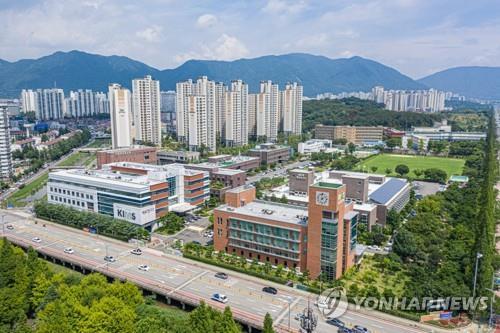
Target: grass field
[(452, 166), (78, 159), (99, 143)]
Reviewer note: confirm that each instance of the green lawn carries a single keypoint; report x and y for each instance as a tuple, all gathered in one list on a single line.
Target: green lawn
[(99, 143), (17, 198), (452, 166), (78, 159)]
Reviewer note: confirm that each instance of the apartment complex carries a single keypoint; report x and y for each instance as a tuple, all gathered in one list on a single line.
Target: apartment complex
[(320, 238), (359, 135), (146, 107), (120, 106), (135, 154), (5, 145), (167, 109), (51, 104), (137, 193), (207, 110), (430, 100)]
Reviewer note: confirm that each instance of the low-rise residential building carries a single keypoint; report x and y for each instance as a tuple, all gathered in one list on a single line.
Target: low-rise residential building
[(320, 237), (135, 154), (21, 144), (359, 135), (137, 193), (184, 157), (314, 146), (270, 153)]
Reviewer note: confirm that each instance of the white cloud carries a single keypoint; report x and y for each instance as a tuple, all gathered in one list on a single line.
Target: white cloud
[(150, 34), (226, 47), (284, 6), (206, 21)]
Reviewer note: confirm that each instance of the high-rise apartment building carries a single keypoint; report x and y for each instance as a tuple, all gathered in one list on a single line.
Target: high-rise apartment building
[(291, 108), (271, 103), (430, 100), (121, 116), (198, 118), (29, 100), (167, 108), (235, 110), (80, 103), (49, 103), (146, 107), (5, 154)]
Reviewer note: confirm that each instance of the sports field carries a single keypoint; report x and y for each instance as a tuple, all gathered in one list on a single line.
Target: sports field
[(452, 166)]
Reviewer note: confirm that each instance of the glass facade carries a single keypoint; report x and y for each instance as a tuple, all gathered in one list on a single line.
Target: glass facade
[(329, 236), (354, 231), (263, 238)]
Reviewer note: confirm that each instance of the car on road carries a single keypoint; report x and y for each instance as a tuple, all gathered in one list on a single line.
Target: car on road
[(144, 268), (345, 330), (270, 290), (298, 316), (137, 252), (69, 250), (10, 227), (336, 322), (360, 329), (220, 298), (221, 275), (36, 240), (109, 258)]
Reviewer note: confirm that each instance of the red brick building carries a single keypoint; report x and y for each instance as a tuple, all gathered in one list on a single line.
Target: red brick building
[(138, 154)]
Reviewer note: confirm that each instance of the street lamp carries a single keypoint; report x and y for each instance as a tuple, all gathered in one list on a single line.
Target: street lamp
[(478, 256)]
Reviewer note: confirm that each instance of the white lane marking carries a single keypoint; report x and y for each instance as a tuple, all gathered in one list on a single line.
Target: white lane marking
[(287, 309), (188, 282)]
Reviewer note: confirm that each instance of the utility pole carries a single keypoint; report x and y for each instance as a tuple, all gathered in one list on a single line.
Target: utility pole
[(309, 320), (478, 256)]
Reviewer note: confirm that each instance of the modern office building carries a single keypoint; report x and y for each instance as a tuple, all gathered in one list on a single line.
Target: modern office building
[(270, 153), (314, 146), (239, 162), (146, 107), (5, 142), (121, 116), (134, 154), (320, 238), (169, 157), (137, 193), (359, 135), (291, 108)]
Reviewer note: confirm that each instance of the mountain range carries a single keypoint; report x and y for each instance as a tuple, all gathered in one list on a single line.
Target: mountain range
[(318, 74)]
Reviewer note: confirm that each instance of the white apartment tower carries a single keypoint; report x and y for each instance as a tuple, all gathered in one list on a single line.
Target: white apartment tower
[(197, 120), (258, 115), (146, 106), (121, 116), (5, 153), (291, 108), (236, 114), (29, 100), (271, 113)]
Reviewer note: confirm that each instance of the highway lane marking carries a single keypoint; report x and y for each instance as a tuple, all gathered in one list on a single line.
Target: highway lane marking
[(286, 310), (388, 322), (188, 282)]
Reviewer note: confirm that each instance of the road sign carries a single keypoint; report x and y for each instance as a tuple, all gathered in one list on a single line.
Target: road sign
[(445, 315)]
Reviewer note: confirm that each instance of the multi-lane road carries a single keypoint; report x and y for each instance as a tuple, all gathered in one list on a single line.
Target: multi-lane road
[(183, 279)]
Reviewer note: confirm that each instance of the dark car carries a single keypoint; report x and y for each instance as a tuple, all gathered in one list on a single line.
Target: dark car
[(10, 227), (345, 330), (289, 283), (270, 290), (360, 329), (221, 275), (336, 322)]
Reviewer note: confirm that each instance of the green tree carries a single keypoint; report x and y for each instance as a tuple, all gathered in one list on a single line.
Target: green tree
[(402, 169), (388, 171), (435, 175), (351, 148), (268, 324), (374, 168)]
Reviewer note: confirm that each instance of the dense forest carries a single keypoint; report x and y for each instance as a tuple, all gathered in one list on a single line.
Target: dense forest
[(35, 299), (356, 112)]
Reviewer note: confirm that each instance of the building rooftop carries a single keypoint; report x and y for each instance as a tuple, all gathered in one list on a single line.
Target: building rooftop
[(327, 183), (228, 172), (106, 178), (271, 211), (268, 147), (240, 189), (127, 149), (385, 192)]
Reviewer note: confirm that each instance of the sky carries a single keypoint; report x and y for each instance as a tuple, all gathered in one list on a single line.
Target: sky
[(417, 37)]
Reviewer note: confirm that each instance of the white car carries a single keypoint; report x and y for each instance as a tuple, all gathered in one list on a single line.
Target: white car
[(69, 250), (36, 240), (144, 268), (137, 252), (220, 298)]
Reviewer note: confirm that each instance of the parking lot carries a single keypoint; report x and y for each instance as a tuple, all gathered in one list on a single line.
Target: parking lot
[(194, 231), (426, 188)]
